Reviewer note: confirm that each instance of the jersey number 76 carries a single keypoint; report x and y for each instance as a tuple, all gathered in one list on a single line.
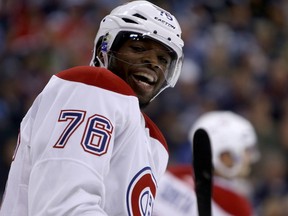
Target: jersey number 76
[(97, 133)]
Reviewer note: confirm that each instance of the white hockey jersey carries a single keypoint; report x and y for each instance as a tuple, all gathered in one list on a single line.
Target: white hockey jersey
[(176, 196), (85, 148)]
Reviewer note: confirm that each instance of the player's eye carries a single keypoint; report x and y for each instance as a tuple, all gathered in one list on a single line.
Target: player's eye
[(137, 48), (163, 60)]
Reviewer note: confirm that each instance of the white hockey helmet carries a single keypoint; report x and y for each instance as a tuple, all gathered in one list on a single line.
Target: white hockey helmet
[(228, 132), (145, 19)]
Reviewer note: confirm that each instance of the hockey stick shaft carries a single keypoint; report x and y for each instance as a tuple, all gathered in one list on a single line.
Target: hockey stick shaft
[(202, 165)]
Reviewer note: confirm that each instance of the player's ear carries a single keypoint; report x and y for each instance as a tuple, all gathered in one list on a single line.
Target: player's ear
[(227, 159)]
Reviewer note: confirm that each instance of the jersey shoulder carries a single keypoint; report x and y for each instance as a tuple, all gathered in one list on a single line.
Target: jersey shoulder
[(155, 131), (231, 202), (181, 171), (97, 76)]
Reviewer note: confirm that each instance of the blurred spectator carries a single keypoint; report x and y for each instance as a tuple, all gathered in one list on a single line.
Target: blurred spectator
[(6, 152), (271, 188)]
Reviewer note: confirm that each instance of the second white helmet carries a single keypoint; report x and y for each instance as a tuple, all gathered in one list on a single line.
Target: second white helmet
[(228, 132)]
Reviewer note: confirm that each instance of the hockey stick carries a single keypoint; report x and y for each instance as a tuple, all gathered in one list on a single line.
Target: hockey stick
[(202, 165)]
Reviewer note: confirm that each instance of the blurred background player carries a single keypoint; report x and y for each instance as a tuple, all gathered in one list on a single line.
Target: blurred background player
[(234, 150)]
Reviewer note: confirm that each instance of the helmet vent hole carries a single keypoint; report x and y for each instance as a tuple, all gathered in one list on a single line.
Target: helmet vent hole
[(129, 20), (139, 16), (155, 32)]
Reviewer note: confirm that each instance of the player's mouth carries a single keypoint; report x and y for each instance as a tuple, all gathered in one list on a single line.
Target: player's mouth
[(145, 82)]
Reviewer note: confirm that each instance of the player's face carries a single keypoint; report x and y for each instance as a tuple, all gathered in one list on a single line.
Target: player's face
[(143, 64)]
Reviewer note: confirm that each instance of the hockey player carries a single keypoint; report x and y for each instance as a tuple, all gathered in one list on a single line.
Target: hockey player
[(85, 147), (234, 149)]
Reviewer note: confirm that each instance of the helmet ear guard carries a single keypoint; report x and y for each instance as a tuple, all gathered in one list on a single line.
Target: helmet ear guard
[(100, 57)]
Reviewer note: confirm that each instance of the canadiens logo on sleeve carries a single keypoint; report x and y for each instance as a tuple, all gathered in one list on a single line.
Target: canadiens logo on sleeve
[(141, 193)]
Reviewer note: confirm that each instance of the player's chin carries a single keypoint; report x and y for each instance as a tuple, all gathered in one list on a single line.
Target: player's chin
[(144, 95), (143, 100)]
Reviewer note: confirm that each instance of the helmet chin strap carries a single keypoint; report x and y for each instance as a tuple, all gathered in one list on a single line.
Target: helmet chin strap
[(103, 63), (100, 62), (105, 58), (130, 63)]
